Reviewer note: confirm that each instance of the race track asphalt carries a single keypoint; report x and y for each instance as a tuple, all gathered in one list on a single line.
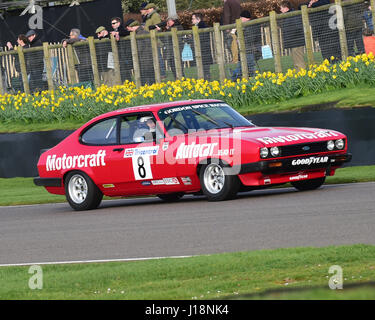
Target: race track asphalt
[(142, 228)]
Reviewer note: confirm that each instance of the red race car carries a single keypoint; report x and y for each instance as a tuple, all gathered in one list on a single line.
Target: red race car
[(196, 146)]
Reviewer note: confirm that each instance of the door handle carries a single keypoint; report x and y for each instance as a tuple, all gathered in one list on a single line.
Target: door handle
[(118, 149)]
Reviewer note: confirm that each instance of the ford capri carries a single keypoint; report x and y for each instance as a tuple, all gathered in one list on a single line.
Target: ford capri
[(185, 147)]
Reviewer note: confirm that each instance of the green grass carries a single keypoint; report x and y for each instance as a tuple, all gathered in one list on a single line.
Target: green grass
[(20, 191), (223, 276)]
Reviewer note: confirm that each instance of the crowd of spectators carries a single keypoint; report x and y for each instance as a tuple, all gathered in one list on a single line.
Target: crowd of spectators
[(293, 39)]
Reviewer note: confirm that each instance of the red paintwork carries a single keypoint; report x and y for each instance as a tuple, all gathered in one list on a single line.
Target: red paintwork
[(118, 170)]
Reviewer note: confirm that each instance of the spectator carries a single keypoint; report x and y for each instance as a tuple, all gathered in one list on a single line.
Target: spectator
[(293, 35), (36, 63), (328, 37), (367, 15), (168, 45), (104, 57), (118, 28), (143, 12), (253, 44), (197, 20), (82, 60), (231, 12), (23, 42), (33, 39), (152, 17), (353, 26), (146, 64), (369, 41), (152, 20)]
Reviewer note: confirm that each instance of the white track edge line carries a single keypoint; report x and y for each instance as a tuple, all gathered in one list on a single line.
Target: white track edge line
[(92, 261)]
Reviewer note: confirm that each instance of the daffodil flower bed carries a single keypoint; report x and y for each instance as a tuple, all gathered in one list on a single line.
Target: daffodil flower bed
[(82, 104)]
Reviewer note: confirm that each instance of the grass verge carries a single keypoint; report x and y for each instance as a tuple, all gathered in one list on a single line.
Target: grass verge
[(223, 276), (22, 191)]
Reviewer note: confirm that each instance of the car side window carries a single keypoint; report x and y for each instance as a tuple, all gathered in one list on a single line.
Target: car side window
[(139, 128), (101, 133)]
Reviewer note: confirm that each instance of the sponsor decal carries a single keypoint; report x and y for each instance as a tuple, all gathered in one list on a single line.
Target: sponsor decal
[(297, 137), (196, 106), (78, 161), (143, 151), (146, 183), (171, 181), (309, 161), (299, 177), (157, 182), (165, 146), (165, 181), (267, 181), (186, 180), (195, 150)]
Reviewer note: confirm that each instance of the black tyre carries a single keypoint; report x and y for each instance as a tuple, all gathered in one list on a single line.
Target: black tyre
[(216, 183), (171, 197), (81, 192), (311, 184)]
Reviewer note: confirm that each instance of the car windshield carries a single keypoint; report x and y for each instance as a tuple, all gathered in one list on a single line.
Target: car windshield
[(205, 116)]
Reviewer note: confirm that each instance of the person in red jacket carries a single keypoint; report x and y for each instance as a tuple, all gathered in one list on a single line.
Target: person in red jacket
[(369, 41)]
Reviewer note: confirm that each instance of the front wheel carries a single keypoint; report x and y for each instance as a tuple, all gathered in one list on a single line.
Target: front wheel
[(216, 184), (81, 192), (310, 184)]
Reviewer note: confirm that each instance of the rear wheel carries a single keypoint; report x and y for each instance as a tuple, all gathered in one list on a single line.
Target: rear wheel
[(171, 197), (81, 192), (216, 184), (311, 184)]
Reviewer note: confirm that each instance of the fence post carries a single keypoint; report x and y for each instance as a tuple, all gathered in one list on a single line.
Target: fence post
[(2, 90), (176, 53), (242, 47), (94, 62), (71, 65), (137, 70), (47, 61), (219, 51), (308, 36), (341, 29), (198, 53), (25, 79), (275, 42), (155, 55), (116, 60)]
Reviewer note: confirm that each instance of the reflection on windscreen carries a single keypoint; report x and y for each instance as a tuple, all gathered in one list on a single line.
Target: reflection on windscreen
[(201, 117)]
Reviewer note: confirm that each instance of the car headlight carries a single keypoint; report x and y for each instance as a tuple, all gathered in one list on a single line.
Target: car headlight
[(264, 152), (275, 151), (330, 145), (340, 144)]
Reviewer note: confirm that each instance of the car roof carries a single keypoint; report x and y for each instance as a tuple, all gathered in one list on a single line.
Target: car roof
[(153, 107)]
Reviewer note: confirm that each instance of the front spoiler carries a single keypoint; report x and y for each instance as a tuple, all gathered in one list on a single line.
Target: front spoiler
[(48, 182), (286, 165)]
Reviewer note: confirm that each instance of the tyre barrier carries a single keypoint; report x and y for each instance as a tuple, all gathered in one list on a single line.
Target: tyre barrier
[(19, 152)]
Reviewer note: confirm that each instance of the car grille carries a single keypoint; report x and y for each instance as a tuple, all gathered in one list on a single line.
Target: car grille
[(304, 148)]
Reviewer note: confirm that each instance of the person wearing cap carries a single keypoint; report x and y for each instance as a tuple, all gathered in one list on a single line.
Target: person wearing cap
[(104, 56), (146, 63), (33, 39), (143, 11), (152, 17), (293, 35), (253, 45)]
